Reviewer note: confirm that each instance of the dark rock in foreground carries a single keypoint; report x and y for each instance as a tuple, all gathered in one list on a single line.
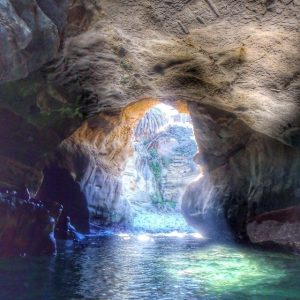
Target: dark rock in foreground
[(280, 227), (27, 228)]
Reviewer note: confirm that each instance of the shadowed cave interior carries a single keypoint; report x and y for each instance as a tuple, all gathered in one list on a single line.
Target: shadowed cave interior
[(169, 133), (157, 171), (58, 184)]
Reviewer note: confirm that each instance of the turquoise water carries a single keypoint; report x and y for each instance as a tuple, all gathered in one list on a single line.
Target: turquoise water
[(158, 266), (160, 222)]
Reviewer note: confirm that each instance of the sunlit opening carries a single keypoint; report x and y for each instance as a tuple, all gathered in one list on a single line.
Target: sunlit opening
[(144, 238), (159, 171)]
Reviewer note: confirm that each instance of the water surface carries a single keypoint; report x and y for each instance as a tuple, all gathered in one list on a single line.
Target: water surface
[(174, 266)]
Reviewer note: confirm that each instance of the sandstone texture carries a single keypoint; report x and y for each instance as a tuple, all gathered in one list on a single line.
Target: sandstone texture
[(162, 166), (246, 173), (84, 173), (77, 75)]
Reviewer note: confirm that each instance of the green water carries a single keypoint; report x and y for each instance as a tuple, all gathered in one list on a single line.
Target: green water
[(152, 267)]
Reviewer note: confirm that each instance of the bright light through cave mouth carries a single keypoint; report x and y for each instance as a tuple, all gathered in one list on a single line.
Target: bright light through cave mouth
[(161, 167)]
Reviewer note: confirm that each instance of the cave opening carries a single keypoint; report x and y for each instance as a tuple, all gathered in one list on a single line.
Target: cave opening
[(58, 185), (126, 171), (159, 169), (146, 215)]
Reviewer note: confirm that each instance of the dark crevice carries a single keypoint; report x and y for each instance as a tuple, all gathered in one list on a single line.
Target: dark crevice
[(59, 186)]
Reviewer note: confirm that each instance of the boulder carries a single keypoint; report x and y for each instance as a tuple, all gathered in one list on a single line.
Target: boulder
[(26, 227)]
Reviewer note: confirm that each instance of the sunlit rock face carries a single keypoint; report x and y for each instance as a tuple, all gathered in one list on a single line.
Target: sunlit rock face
[(110, 169), (63, 64), (238, 57), (139, 184), (92, 160), (247, 174), (162, 165)]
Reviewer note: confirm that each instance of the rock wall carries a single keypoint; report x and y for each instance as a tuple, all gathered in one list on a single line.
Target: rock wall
[(66, 61), (105, 56), (246, 174), (236, 56), (27, 228), (92, 160), (278, 227), (161, 167), (139, 184), (36, 116), (59, 185)]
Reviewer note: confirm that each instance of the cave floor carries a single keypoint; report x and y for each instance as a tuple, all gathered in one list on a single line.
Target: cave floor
[(174, 266)]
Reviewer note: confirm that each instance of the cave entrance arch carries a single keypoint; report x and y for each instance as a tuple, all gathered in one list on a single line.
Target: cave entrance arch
[(85, 172), (160, 168)]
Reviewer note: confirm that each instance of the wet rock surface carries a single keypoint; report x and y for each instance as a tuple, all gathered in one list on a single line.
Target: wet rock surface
[(279, 227), (63, 62), (27, 227)]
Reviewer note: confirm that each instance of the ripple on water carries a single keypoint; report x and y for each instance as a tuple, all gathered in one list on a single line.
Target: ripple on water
[(228, 270), (160, 266)]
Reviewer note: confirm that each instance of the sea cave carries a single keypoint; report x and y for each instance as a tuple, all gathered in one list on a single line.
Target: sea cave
[(149, 149)]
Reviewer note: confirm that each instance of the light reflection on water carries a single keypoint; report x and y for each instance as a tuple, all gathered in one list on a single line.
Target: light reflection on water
[(153, 267)]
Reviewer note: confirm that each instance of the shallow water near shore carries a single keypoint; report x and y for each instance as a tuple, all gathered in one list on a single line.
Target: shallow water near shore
[(152, 266)]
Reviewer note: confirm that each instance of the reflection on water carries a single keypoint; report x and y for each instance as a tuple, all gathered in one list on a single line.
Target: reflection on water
[(160, 222), (158, 266)]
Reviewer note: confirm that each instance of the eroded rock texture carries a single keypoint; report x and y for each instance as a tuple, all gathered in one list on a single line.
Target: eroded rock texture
[(65, 61), (240, 57), (280, 227), (161, 167), (247, 173), (91, 162)]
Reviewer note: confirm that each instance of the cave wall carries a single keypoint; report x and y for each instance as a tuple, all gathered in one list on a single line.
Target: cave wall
[(246, 174), (93, 159), (59, 186), (156, 175), (243, 57), (65, 62), (35, 114)]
